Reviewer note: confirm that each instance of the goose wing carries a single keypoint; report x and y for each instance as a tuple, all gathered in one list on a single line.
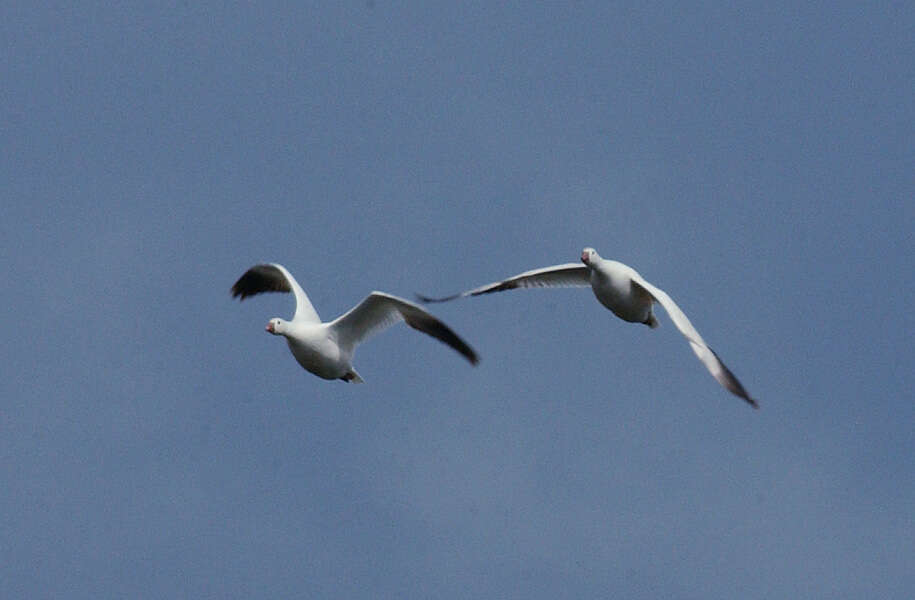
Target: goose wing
[(379, 311), (716, 367), (567, 275), (274, 277)]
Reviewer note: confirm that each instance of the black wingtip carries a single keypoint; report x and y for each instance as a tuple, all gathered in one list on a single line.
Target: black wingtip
[(730, 382), (430, 325), (429, 300), (237, 292), (455, 341), (259, 279), (467, 352)]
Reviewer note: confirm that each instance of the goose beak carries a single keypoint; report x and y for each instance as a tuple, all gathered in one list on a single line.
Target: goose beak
[(269, 327), (584, 257)]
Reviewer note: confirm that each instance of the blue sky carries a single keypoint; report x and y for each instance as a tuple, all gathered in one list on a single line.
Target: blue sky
[(753, 161)]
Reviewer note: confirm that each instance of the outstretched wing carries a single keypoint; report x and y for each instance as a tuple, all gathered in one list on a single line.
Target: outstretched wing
[(274, 277), (567, 275), (708, 357), (379, 311)]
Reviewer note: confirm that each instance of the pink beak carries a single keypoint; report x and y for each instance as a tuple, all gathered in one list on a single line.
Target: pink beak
[(269, 327), (584, 257)]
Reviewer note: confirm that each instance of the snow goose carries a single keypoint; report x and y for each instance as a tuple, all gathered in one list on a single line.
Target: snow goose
[(621, 289), (326, 349)]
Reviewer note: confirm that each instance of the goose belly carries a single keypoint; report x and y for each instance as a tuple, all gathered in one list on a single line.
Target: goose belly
[(321, 357), (625, 300)]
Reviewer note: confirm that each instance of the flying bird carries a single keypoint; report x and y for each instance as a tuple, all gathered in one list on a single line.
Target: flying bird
[(326, 349), (621, 289)]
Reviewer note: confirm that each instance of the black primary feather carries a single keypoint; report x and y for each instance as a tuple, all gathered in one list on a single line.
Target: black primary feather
[(258, 279)]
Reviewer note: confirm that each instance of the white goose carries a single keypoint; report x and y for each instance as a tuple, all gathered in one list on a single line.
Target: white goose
[(326, 349), (621, 289)]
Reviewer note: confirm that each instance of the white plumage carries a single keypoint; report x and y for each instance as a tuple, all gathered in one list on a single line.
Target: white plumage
[(622, 290), (326, 349)]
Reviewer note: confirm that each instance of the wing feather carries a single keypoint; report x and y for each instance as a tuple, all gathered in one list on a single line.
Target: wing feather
[(567, 275), (378, 311), (709, 358), (274, 277)]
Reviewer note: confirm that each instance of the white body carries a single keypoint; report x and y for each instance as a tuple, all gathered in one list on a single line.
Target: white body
[(611, 282), (326, 349), (621, 289), (316, 348)]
